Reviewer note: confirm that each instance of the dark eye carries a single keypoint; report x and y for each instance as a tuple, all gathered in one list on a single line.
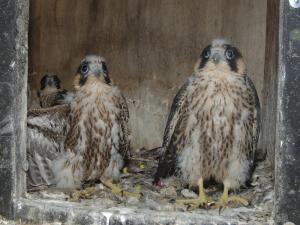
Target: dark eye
[(84, 69), (229, 54), (206, 53)]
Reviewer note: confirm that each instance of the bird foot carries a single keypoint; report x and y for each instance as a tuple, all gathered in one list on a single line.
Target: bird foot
[(82, 194), (225, 199), (201, 201), (118, 191)]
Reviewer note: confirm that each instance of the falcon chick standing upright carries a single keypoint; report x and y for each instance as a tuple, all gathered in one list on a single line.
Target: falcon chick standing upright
[(213, 127), (97, 142)]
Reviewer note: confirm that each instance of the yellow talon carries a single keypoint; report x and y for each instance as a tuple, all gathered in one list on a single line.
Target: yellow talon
[(202, 200), (82, 194), (118, 191), (225, 199), (142, 166)]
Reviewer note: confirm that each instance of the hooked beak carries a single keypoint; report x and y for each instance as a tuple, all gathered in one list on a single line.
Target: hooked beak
[(50, 83), (216, 57)]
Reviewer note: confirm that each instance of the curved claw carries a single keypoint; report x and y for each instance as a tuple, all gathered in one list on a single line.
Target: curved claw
[(82, 194), (118, 191), (225, 199), (201, 201)]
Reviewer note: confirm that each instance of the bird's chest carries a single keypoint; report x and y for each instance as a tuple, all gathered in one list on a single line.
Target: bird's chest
[(219, 113), (217, 103), (94, 116)]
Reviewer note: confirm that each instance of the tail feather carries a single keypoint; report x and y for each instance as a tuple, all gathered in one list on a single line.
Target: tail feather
[(166, 164)]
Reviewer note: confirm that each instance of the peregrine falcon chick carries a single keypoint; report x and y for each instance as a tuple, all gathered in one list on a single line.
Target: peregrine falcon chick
[(97, 143), (51, 94), (50, 86), (213, 126), (94, 144)]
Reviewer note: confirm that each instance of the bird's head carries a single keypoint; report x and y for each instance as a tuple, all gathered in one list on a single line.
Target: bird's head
[(50, 81), (91, 69), (221, 55)]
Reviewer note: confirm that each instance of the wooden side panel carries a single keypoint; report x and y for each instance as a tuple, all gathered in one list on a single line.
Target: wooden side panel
[(268, 135)]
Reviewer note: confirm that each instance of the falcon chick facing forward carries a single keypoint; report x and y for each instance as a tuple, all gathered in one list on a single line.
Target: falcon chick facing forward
[(96, 144), (213, 126), (51, 94), (49, 89)]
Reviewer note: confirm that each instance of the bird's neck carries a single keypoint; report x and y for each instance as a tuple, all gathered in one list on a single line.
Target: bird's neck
[(48, 90)]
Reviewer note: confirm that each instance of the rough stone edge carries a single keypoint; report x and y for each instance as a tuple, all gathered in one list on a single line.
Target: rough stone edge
[(281, 80), (282, 209), (20, 107), (15, 54), (48, 211)]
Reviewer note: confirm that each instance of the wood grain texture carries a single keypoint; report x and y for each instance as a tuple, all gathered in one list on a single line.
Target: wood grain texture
[(150, 46), (268, 135)]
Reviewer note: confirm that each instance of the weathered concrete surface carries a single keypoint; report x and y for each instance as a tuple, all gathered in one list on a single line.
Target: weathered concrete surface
[(13, 83), (45, 211), (155, 201), (151, 46), (287, 185)]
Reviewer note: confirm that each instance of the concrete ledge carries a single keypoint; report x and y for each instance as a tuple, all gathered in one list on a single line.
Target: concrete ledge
[(42, 211)]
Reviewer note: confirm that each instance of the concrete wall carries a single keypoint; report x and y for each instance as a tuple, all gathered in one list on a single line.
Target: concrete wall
[(13, 85), (150, 46)]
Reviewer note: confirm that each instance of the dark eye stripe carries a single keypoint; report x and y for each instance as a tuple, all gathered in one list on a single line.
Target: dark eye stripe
[(82, 80), (84, 63), (229, 54), (233, 62), (84, 69), (203, 58)]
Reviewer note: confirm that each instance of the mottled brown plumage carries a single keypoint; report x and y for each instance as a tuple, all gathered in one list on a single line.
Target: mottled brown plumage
[(97, 143), (93, 141), (46, 133), (213, 126)]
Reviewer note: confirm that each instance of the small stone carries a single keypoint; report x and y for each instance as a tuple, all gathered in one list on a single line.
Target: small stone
[(53, 195), (169, 192), (288, 223), (188, 193), (255, 183), (100, 187)]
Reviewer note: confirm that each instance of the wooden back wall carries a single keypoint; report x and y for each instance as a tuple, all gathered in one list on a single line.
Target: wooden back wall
[(150, 46)]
